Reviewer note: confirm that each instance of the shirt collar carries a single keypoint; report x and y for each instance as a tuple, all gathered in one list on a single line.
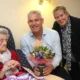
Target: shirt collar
[(44, 33)]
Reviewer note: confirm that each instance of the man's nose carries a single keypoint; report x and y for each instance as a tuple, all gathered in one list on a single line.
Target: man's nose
[(34, 22)]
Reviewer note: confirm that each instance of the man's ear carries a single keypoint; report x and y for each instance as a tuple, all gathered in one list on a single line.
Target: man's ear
[(42, 20)]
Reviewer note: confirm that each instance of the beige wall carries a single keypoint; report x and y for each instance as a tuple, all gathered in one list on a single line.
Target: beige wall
[(73, 6), (13, 14)]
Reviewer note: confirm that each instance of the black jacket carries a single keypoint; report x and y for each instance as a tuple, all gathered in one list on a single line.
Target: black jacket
[(75, 36)]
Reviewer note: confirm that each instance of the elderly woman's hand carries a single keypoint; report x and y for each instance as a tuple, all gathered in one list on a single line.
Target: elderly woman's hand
[(12, 64), (6, 67)]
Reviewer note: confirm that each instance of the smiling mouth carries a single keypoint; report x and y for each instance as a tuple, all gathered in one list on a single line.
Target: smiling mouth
[(35, 27), (61, 21)]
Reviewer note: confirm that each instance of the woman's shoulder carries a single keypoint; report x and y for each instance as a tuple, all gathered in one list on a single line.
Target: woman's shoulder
[(14, 55)]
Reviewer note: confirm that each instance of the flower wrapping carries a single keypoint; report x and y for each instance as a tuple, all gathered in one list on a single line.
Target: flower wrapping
[(41, 55)]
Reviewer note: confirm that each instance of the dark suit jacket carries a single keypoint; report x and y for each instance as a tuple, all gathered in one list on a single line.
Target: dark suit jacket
[(75, 36)]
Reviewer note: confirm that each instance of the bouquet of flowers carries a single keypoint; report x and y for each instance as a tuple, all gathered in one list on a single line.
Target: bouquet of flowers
[(41, 56)]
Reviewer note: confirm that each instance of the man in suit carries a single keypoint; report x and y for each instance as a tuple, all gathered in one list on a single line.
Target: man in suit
[(68, 28)]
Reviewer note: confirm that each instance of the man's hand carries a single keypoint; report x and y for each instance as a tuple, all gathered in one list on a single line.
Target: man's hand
[(36, 71), (48, 69)]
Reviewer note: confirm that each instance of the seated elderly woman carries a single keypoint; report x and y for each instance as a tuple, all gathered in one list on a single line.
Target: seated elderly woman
[(11, 46), (9, 60), (10, 66)]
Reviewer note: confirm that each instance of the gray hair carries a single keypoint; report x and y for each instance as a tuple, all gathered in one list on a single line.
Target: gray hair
[(59, 8), (35, 12), (4, 31)]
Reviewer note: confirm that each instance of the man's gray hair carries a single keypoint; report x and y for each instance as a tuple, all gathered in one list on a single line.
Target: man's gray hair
[(4, 31), (35, 12), (58, 8)]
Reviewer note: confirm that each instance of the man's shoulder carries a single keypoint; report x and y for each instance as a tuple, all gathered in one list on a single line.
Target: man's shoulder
[(51, 34), (26, 35), (50, 31)]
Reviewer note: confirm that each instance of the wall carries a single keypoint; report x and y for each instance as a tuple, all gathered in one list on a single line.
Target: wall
[(13, 14), (73, 6)]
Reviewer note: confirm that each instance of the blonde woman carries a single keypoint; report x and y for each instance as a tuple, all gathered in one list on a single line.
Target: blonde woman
[(68, 28)]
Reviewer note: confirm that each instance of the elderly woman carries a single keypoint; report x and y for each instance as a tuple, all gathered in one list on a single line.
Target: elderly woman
[(9, 60)]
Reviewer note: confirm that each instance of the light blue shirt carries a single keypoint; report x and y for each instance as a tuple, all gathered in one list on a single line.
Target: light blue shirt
[(50, 38)]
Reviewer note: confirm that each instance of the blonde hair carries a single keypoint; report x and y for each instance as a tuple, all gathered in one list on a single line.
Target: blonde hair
[(4, 31), (58, 8), (35, 12)]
